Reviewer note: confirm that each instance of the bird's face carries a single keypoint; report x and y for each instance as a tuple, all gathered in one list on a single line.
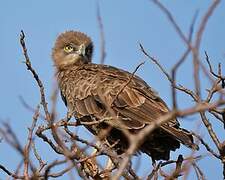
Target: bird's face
[(72, 48)]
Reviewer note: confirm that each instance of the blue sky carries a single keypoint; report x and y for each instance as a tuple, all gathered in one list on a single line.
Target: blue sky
[(126, 23)]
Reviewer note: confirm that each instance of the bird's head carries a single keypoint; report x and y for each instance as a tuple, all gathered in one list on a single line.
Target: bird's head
[(72, 48)]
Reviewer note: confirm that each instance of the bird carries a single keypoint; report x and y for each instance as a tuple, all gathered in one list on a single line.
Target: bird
[(117, 100)]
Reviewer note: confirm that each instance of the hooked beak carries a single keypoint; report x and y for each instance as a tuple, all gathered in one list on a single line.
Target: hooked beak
[(82, 50)]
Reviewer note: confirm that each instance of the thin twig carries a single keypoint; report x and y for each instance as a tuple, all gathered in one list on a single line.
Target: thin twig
[(102, 35), (204, 22), (172, 21), (211, 132), (28, 107), (29, 142), (197, 43), (206, 145), (198, 171), (10, 173), (219, 76), (42, 164), (35, 75), (156, 62), (180, 61)]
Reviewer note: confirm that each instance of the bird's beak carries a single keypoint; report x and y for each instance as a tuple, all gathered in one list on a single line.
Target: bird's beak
[(81, 50)]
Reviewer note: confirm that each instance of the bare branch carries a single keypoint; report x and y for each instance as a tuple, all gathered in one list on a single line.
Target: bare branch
[(180, 61), (10, 173), (29, 142), (204, 22), (211, 132), (35, 75), (102, 35), (198, 171), (156, 62), (42, 164), (206, 145), (172, 21), (219, 76)]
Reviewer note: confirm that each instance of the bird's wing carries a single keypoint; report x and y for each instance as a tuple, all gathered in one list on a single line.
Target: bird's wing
[(131, 96), (104, 91), (137, 105), (140, 105)]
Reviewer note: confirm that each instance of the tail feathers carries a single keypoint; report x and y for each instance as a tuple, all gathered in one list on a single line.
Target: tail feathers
[(181, 135)]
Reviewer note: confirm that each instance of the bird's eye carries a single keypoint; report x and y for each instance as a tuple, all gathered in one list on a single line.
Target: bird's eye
[(68, 48)]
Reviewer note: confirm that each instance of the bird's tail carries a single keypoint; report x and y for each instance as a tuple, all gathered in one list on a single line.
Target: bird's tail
[(182, 135)]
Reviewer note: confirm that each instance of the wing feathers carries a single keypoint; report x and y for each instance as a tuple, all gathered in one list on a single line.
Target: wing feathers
[(182, 135), (146, 110), (88, 106)]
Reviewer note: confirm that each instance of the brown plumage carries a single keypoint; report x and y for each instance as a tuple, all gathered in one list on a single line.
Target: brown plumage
[(91, 92)]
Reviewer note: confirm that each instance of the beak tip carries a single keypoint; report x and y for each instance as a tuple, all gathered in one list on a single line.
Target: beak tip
[(82, 50)]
